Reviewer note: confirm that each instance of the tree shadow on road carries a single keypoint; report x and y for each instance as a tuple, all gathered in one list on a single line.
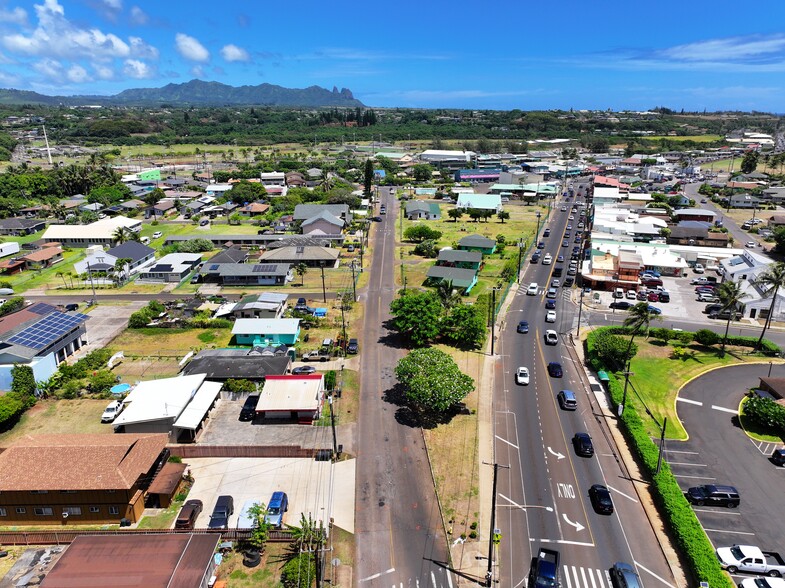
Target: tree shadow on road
[(392, 338)]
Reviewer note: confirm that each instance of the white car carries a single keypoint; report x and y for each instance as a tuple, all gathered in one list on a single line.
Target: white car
[(551, 337), (522, 376), (564, 209), (157, 235), (547, 260), (113, 409), (751, 244), (699, 269), (762, 583), (550, 316), (533, 289)]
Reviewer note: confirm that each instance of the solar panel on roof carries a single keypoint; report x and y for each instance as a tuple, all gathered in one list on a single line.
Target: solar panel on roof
[(41, 308), (47, 330), (264, 269)]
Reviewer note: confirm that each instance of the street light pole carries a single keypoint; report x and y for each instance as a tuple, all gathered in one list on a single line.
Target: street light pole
[(492, 538), (520, 255), (580, 309), (537, 234), (493, 319)]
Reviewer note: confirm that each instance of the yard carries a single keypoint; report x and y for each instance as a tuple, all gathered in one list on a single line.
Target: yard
[(658, 377), (59, 417)]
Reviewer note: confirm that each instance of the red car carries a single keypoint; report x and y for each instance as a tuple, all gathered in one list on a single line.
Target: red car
[(654, 297)]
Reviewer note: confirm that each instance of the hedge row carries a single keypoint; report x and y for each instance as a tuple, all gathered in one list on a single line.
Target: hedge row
[(669, 498), (767, 347)]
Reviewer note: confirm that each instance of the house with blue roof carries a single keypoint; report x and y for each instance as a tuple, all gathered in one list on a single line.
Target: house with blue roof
[(266, 332), (480, 201), (417, 209)]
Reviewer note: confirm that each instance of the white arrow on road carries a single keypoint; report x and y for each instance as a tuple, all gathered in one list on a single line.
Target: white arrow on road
[(558, 455), (578, 526)]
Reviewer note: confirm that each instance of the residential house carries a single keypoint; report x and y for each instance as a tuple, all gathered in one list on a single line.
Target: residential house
[(217, 190), (292, 398), (322, 223), (162, 208), (745, 201), (42, 258), (264, 305), (477, 243), (259, 332), (220, 365), (101, 232), (492, 202), (9, 248), (775, 194), (19, 227), (273, 178), (249, 274), (694, 214), (776, 221), (459, 258), (745, 269), (170, 560), (417, 209), (699, 236), (460, 279), (193, 208), (229, 255), (98, 260), (254, 209), (175, 406), (95, 207), (41, 337), (303, 212), (78, 479), (295, 179), (310, 255), (173, 267)]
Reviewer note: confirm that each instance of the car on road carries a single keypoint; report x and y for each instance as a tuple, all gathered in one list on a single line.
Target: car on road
[(376, 219), (555, 369), (550, 304), (547, 260), (550, 316), (248, 411), (555, 283), (583, 444), (224, 508), (565, 243), (533, 289), (724, 315), (569, 281), (535, 258), (157, 235), (559, 259), (551, 293), (654, 310), (703, 201), (601, 499), (111, 411), (714, 495), (567, 400), (564, 209), (541, 245), (522, 376), (523, 327), (778, 457), (750, 245), (551, 337), (190, 511), (546, 233), (623, 575), (303, 370), (571, 217), (621, 305), (544, 572)]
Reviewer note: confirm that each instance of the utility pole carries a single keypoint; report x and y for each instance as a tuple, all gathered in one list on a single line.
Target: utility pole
[(324, 289), (90, 274), (492, 538), (662, 444), (493, 319), (520, 255), (354, 283), (580, 309), (627, 374), (332, 422)]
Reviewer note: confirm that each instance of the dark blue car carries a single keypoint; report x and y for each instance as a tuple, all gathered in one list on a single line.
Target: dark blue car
[(523, 327)]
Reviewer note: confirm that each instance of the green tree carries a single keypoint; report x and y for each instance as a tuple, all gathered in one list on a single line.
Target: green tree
[(120, 267), (154, 197), (475, 214), (779, 239), (731, 296), (240, 386), (416, 316), (464, 326), (750, 161), (422, 172), (448, 296), (432, 381), (503, 215), (299, 572), (368, 178), (455, 214), (245, 192), (301, 269), (22, 381), (427, 249), (260, 531), (101, 382), (613, 350), (420, 232), (769, 283)]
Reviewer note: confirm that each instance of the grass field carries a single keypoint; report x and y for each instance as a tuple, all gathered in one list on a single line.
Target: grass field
[(658, 378), (59, 417), (696, 138), (154, 342)]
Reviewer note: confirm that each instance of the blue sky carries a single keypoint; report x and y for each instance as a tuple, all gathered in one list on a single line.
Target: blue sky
[(691, 54)]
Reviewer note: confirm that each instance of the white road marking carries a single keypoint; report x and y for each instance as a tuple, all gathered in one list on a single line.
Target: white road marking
[(684, 463), (737, 514), (623, 494), (390, 571), (563, 542), (723, 409), (433, 579), (695, 477), (575, 573), (449, 579), (566, 575), (583, 576), (724, 531), (663, 580), (676, 451), (688, 401), (507, 442)]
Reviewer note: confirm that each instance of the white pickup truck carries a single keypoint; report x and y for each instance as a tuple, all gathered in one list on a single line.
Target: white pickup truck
[(748, 558)]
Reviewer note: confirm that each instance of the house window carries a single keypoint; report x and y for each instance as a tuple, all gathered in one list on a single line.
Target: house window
[(43, 511), (95, 509), (3, 512), (20, 510), (73, 510), (39, 491), (113, 510)]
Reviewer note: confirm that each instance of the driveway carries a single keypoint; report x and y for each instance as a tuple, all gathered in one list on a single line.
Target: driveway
[(106, 322)]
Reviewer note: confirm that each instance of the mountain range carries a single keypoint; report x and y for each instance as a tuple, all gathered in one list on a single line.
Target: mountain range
[(196, 93)]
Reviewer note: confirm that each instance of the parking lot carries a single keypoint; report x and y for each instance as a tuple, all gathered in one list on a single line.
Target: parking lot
[(316, 488)]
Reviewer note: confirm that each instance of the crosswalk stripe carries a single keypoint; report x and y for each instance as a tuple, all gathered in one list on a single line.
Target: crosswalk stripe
[(566, 575), (581, 577), (575, 573), (593, 583)]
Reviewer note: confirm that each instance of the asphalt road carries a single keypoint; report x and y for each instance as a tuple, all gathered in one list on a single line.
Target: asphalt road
[(399, 536), (542, 497), (719, 452)]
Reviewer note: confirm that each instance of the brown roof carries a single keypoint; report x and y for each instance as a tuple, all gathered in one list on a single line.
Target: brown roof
[(152, 561), (256, 207), (774, 385), (168, 479), (43, 254), (79, 462), (13, 320)]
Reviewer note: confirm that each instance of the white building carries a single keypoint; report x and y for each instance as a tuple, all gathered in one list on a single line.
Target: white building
[(443, 156), (101, 232)]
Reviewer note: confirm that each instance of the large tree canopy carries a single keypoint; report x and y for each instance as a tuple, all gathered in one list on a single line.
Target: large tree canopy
[(432, 380), (417, 316)]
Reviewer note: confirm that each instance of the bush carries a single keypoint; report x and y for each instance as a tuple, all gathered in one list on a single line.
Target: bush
[(426, 249), (766, 413), (11, 305), (196, 323), (101, 382), (706, 337), (329, 380), (240, 386), (139, 319), (613, 350), (299, 572)]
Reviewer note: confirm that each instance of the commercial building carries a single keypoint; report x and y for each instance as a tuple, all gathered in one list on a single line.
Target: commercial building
[(101, 232)]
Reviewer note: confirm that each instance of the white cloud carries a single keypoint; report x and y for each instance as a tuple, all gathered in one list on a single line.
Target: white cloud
[(137, 69), (190, 48), (234, 53), (14, 15), (138, 16), (197, 71), (49, 68), (103, 72), (78, 74), (56, 36), (733, 48), (113, 4)]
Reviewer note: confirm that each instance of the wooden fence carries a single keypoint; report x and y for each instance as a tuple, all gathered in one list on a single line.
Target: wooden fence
[(66, 536), (186, 451)]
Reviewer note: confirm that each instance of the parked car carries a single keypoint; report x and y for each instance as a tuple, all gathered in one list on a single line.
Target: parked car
[(551, 337), (714, 495), (654, 310), (618, 293), (555, 369), (707, 297), (567, 400), (224, 508), (778, 457), (665, 297), (523, 327), (699, 269), (724, 315), (248, 411), (623, 575), (157, 235), (111, 411), (535, 258), (353, 346), (72, 307), (303, 370), (653, 296), (762, 583), (583, 444), (631, 294), (190, 511), (546, 233), (522, 376), (643, 295), (541, 245), (278, 505), (601, 499), (621, 305), (204, 222)]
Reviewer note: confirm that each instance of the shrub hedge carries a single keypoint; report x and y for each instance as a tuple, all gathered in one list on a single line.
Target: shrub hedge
[(768, 348), (673, 506)]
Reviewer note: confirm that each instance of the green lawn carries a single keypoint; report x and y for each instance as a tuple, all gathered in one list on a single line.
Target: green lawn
[(59, 417), (658, 378), (164, 519), (696, 138)]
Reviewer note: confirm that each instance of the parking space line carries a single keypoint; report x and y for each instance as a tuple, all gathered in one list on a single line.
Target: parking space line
[(724, 531), (689, 401), (682, 463), (723, 409), (562, 542), (622, 493), (654, 575), (735, 514), (507, 442), (677, 451), (694, 477)]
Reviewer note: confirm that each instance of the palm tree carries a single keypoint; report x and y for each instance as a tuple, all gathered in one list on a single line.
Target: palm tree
[(326, 181), (447, 295), (638, 321), (120, 235), (120, 267), (769, 282), (730, 295)]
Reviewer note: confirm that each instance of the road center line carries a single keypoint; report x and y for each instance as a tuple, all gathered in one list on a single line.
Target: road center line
[(723, 409), (663, 580), (688, 401), (390, 571), (623, 494), (507, 442)]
